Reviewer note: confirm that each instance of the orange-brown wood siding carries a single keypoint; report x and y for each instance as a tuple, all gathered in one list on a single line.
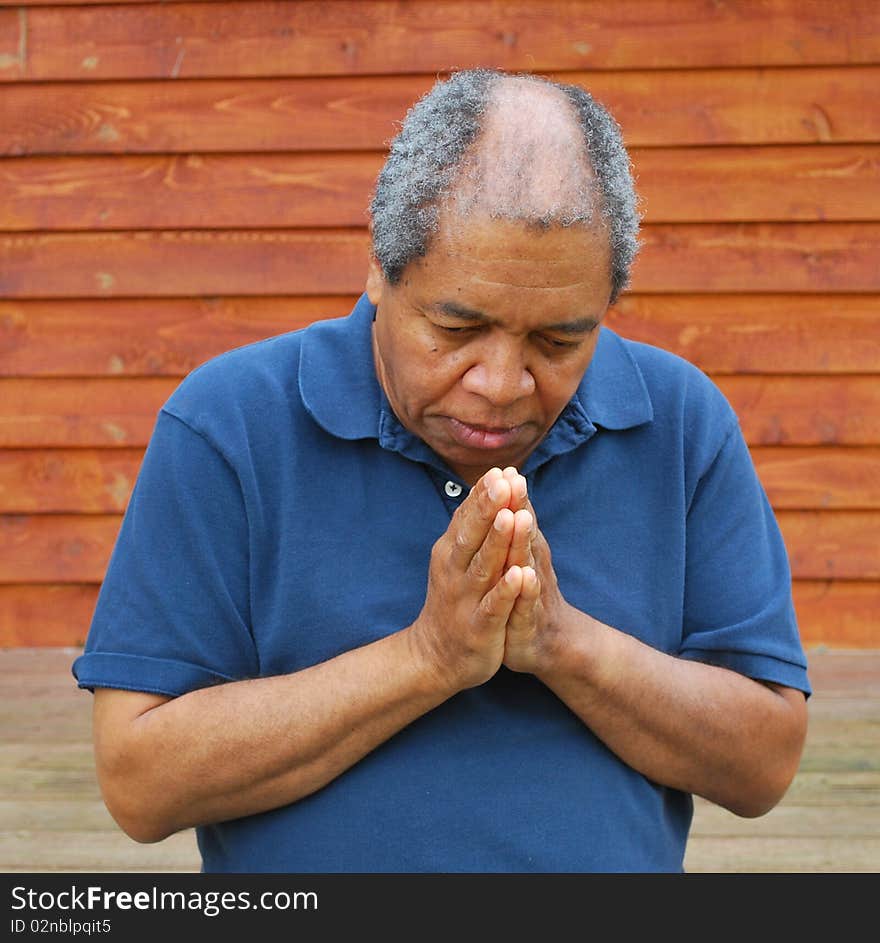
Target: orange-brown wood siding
[(177, 179)]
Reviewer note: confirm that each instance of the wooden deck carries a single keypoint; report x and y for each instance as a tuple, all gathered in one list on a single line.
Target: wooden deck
[(52, 817)]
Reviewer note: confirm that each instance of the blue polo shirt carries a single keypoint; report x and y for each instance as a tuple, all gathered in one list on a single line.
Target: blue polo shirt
[(283, 515)]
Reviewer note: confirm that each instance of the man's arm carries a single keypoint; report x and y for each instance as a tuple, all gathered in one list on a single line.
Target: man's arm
[(245, 747), (691, 726)]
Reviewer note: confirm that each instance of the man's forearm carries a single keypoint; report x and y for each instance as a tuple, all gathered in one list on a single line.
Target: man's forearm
[(245, 747), (691, 726)]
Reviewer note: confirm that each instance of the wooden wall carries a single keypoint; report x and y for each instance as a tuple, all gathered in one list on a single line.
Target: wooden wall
[(181, 178)]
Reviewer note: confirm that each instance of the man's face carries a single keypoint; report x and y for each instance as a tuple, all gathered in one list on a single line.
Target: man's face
[(484, 340)]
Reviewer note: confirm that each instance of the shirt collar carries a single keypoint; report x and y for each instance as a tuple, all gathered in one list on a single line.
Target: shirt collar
[(339, 387), (613, 391), (337, 376)]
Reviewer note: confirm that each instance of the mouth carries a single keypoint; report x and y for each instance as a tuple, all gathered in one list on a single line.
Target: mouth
[(474, 436)]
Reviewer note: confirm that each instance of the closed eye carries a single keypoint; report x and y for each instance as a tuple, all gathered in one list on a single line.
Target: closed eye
[(556, 343), (466, 329)]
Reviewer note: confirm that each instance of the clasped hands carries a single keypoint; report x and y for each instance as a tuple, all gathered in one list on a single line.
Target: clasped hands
[(492, 595)]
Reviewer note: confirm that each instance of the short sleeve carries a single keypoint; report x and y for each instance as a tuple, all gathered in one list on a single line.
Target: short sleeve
[(738, 608), (173, 611)]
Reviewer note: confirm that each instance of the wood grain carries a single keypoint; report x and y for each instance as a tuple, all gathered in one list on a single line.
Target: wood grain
[(89, 412), (675, 108), (816, 410), (181, 40), (146, 337), (40, 614), (820, 477), (743, 257), (729, 184), (229, 191), (181, 263), (56, 548), (187, 191), (832, 544), (842, 613), (772, 333), (758, 257), (67, 480)]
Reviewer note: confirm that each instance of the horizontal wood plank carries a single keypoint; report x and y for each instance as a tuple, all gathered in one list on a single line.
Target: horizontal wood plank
[(183, 263), (758, 257), (772, 333), (75, 548), (842, 613), (67, 480), (88, 412), (838, 613), (146, 337), (654, 108), (187, 191), (729, 184), (737, 257), (229, 191), (90, 480), (832, 544), (192, 40), (56, 548), (818, 410), (41, 614), (817, 478), (121, 411), (723, 333)]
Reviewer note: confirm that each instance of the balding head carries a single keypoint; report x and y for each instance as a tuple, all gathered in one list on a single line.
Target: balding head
[(507, 146), (528, 162)]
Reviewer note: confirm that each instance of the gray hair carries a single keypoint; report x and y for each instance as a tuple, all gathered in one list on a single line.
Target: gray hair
[(434, 144)]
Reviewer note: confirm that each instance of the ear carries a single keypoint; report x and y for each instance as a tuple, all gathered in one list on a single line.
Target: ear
[(375, 281)]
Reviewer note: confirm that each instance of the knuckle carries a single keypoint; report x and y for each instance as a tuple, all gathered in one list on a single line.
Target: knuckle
[(479, 571)]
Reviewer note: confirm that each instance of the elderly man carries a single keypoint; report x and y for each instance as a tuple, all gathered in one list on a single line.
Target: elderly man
[(463, 581)]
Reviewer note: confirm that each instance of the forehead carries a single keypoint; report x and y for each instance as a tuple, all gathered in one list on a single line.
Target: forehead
[(481, 261)]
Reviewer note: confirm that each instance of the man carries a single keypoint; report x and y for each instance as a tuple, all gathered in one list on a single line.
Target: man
[(464, 581)]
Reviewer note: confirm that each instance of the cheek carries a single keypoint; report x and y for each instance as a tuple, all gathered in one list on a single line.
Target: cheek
[(419, 376), (556, 384)]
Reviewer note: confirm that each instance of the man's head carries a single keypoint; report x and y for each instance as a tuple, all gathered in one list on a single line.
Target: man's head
[(504, 224), (499, 135)]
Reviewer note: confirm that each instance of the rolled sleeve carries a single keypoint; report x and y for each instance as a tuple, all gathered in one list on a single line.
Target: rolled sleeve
[(173, 611), (738, 609)]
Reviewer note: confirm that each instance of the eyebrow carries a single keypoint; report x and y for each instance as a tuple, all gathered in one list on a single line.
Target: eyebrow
[(577, 326)]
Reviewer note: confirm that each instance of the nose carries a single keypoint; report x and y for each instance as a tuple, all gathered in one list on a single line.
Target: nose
[(499, 373)]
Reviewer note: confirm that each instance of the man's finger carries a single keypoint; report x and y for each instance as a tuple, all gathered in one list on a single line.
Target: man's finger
[(518, 488), (497, 605), (520, 552), (530, 592), (473, 520), (488, 563)]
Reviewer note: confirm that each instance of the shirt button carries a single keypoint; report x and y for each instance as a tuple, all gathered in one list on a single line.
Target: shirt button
[(452, 488)]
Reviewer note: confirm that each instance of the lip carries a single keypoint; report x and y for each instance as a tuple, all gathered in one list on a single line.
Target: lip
[(483, 437)]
